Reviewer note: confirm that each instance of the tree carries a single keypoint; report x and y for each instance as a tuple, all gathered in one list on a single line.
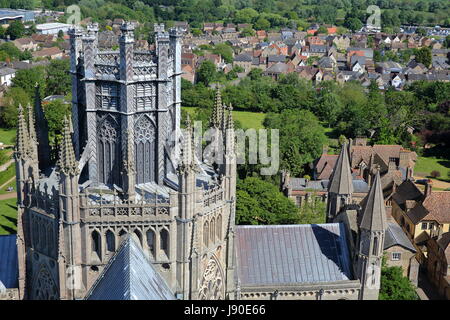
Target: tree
[(58, 77), (15, 30), (207, 72), (353, 24), (262, 24), (447, 41), (423, 56), (260, 202), (54, 113), (322, 30), (301, 138), (395, 286), (27, 79), (225, 51), (9, 111), (246, 15), (421, 31)]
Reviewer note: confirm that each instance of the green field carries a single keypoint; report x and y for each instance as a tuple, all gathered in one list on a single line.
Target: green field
[(7, 136), (247, 119), (425, 165), (7, 174), (8, 216)]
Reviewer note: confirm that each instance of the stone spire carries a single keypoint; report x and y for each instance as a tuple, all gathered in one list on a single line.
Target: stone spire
[(229, 136), (374, 213), (188, 148), (32, 134), (67, 163), (22, 136), (217, 113), (341, 181)]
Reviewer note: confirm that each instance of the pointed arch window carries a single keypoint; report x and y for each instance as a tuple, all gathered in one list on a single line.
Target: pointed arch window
[(96, 245), (164, 242), (151, 240), (138, 236), (205, 233), (375, 246), (122, 235), (219, 227), (145, 150), (109, 151), (110, 241), (212, 230)]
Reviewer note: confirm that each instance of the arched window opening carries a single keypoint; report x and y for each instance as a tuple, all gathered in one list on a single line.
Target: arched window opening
[(151, 240), (219, 227), (212, 230), (137, 236), (110, 241), (145, 146), (96, 243), (205, 233), (375, 246), (164, 244), (122, 235)]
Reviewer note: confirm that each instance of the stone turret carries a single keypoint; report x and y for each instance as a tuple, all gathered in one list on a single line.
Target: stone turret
[(67, 167), (186, 202), (340, 187), (372, 227)]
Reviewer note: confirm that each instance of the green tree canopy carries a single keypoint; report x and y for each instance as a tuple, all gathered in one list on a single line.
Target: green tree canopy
[(16, 30), (58, 77), (207, 72), (260, 202), (301, 138), (395, 286)]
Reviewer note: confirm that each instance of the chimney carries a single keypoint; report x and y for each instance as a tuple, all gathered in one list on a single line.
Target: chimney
[(428, 187), (408, 173)]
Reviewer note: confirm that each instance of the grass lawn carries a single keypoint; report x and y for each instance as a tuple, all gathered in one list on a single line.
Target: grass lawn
[(7, 136), (7, 174), (425, 165), (247, 119), (8, 216)]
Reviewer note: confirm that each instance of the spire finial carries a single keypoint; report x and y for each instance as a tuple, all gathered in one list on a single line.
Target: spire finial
[(67, 163), (22, 143)]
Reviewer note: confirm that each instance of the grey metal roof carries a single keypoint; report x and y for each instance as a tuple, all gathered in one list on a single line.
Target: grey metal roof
[(292, 254), (359, 185), (396, 237), (9, 268), (130, 275)]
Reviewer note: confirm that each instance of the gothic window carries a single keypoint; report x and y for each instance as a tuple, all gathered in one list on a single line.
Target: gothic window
[(110, 241), (35, 233), (138, 236), (211, 286), (51, 240), (375, 246), (219, 227), (164, 244), (44, 287), (96, 246), (43, 236), (151, 242), (145, 150), (205, 233), (109, 151), (122, 235)]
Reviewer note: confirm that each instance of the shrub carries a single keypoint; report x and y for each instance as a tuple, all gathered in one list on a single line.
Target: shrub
[(435, 174)]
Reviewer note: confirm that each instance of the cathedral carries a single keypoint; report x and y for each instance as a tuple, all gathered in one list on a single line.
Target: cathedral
[(128, 211)]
